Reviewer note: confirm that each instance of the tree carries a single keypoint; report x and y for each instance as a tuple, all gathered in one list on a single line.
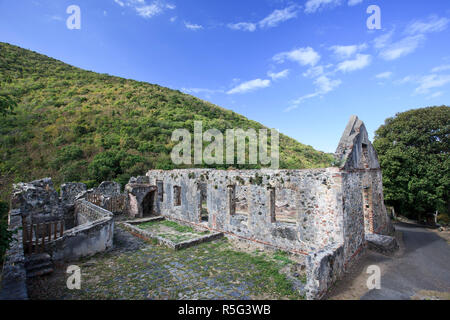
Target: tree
[(413, 149), (5, 234)]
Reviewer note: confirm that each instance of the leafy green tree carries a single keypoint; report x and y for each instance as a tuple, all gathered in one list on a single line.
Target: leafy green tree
[(413, 149)]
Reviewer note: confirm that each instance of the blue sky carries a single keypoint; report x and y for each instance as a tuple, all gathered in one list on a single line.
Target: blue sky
[(303, 67)]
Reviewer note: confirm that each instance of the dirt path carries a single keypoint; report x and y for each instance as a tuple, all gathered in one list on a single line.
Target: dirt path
[(419, 270)]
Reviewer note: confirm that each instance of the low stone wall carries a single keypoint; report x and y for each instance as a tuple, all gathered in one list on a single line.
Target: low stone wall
[(324, 268), (94, 233), (14, 276), (147, 235)]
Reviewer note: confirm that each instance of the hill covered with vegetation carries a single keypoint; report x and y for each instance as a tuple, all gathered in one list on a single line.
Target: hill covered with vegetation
[(77, 125)]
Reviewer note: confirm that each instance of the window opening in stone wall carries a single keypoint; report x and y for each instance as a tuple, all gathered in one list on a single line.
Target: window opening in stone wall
[(285, 206), (160, 186), (365, 156), (271, 193), (204, 212), (368, 209), (232, 199), (177, 196), (241, 200)]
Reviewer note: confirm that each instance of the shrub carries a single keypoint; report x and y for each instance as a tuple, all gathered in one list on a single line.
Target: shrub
[(5, 234)]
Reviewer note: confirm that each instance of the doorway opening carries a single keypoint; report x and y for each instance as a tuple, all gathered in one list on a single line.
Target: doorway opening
[(147, 204)]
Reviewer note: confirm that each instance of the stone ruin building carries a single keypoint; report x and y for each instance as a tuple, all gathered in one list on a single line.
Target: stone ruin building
[(329, 215)]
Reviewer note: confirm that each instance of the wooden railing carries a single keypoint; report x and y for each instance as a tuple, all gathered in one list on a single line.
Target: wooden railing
[(36, 236)]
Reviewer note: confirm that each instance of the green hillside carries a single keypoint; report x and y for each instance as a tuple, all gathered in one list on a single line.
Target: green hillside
[(77, 125)]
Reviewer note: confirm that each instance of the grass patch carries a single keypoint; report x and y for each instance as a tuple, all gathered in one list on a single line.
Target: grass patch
[(172, 231)]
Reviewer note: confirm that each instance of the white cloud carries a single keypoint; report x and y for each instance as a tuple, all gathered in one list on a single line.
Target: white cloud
[(402, 48), (173, 19), (323, 85), (312, 6), (354, 2), (250, 86), (407, 79), (201, 90), (435, 95), (431, 81), (56, 18), (345, 52), (426, 83), (434, 24), (279, 75), (304, 56), (120, 3), (415, 32), (441, 68), (384, 75), (272, 20), (383, 40), (145, 10), (192, 26), (279, 16), (149, 10), (314, 72), (361, 61), (245, 26)]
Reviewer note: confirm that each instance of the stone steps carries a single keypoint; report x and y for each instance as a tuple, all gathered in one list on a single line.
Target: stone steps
[(38, 265)]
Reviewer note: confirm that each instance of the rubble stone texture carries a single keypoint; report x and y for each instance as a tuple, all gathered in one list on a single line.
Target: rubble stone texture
[(71, 191), (381, 243), (37, 201)]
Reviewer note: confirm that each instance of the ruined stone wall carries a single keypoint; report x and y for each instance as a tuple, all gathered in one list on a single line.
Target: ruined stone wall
[(295, 210), (364, 210), (14, 276), (354, 232), (86, 212), (93, 234), (37, 201)]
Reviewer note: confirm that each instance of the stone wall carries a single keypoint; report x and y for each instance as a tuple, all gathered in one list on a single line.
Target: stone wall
[(93, 234), (363, 202), (325, 267), (37, 201), (108, 196), (244, 203), (14, 276)]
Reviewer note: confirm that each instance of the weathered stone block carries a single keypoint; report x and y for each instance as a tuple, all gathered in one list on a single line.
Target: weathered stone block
[(382, 244)]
